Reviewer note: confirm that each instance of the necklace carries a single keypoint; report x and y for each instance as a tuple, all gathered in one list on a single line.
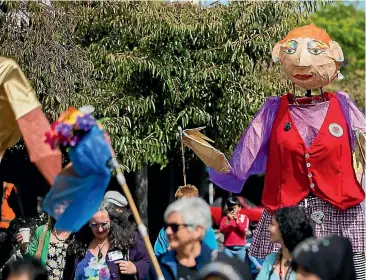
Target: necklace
[(286, 264), (100, 254), (59, 238)]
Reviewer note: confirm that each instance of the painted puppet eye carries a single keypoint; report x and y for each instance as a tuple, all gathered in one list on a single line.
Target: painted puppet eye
[(290, 47), (315, 47), (290, 51), (316, 51)]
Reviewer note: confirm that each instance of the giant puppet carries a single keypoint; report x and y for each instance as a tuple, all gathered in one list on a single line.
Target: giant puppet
[(303, 144)]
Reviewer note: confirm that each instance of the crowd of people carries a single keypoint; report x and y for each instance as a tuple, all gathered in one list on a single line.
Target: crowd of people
[(109, 246)]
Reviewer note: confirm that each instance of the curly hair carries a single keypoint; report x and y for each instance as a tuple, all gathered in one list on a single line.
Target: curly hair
[(120, 235), (294, 226), (186, 191), (122, 215)]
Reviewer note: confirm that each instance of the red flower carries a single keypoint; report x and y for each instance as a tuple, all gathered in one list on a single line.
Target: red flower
[(51, 139)]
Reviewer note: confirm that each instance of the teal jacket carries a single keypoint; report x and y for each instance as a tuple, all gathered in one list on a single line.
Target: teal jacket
[(33, 245), (267, 267), (162, 242)]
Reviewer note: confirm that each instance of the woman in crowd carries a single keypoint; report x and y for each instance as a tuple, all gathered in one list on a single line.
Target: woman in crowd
[(162, 243), (106, 249), (49, 246), (186, 223), (289, 227), (329, 258)]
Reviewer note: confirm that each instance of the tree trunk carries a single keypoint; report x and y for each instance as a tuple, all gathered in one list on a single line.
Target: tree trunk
[(141, 193)]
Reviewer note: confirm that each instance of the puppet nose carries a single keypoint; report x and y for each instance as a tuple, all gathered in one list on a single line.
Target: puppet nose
[(304, 59)]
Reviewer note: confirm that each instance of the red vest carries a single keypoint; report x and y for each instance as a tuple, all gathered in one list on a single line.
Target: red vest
[(325, 168)]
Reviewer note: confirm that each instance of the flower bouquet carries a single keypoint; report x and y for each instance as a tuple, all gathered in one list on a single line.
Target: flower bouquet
[(81, 185), (71, 126)]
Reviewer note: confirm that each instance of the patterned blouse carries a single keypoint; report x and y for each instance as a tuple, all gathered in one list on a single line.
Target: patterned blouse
[(56, 260), (90, 268)]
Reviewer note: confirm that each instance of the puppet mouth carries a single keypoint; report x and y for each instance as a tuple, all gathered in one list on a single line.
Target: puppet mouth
[(303, 77)]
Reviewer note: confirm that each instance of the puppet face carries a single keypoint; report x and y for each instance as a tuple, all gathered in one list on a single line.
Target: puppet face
[(309, 63)]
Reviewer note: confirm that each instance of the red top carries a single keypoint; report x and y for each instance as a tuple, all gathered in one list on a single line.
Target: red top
[(325, 168), (234, 230)]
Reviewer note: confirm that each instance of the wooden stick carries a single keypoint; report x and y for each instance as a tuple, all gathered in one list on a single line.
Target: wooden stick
[(141, 227), (183, 158), (361, 148)]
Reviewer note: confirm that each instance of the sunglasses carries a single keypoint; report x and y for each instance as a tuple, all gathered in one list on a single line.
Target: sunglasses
[(102, 225), (176, 227)]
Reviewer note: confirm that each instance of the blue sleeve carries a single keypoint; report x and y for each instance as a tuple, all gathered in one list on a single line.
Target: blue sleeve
[(254, 261), (210, 239), (161, 244), (266, 267)]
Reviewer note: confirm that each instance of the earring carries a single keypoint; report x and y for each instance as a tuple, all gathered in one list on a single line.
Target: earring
[(275, 59), (340, 75)]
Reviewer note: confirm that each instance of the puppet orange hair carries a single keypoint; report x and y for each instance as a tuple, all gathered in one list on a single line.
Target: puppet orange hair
[(308, 31)]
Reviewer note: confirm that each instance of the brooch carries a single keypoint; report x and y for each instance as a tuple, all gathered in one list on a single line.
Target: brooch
[(317, 217), (287, 126), (335, 129)]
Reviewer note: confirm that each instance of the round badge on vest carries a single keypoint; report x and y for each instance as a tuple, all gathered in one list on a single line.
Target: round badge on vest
[(335, 129)]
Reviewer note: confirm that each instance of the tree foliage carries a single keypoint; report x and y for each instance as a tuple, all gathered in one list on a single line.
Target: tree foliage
[(345, 24), (170, 65), (149, 67), (40, 39)]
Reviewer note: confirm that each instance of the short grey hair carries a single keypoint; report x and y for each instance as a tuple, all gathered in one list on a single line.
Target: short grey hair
[(194, 211)]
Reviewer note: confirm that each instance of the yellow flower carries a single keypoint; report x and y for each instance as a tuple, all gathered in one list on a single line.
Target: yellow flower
[(52, 263), (70, 116)]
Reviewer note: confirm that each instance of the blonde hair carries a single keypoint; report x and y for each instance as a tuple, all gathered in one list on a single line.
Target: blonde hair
[(186, 191)]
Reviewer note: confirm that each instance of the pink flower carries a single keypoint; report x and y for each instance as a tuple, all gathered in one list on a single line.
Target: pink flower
[(104, 273)]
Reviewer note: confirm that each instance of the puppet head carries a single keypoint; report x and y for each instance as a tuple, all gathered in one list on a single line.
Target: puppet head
[(309, 57)]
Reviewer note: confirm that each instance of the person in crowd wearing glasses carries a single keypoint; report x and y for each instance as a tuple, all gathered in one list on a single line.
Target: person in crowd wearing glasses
[(289, 227), (234, 227), (186, 223), (27, 269), (48, 245), (105, 250), (162, 243)]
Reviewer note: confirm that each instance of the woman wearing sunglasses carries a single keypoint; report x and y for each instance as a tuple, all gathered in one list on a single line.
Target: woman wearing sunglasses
[(104, 250), (186, 223)]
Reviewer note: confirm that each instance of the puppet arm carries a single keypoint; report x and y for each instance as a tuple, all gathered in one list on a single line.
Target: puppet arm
[(250, 154), (355, 117)]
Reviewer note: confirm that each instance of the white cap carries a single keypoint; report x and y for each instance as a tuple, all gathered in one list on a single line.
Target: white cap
[(116, 198)]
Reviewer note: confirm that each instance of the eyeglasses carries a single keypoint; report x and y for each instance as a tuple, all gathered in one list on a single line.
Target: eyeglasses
[(175, 227), (102, 225)]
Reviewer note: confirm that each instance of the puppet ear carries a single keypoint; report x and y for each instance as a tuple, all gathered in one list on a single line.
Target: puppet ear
[(336, 52), (276, 52)]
